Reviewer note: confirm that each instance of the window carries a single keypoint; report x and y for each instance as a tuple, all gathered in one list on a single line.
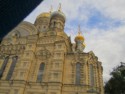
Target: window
[(24, 64), (78, 74), (15, 91), (91, 75), (27, 54), (56, 65), (29, 46), (40, 72), (3, 66), (44, 27), (53, 92), (59, 24), (58, 54), (51, 65), (55, 75), (10, 72), (21, 74), (54, 23), (58, 46)]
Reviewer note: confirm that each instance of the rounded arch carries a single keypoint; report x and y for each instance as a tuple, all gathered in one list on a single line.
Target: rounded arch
[(15, 57), (76, 61), (12, 67), (6, 59), (78, 73), (41, 72)]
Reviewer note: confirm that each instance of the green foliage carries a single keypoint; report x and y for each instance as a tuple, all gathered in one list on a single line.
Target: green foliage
[(116, 84)]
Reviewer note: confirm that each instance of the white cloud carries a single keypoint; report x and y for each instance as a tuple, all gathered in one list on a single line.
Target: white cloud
[(69, 7), (81, 9), (108, 45), (110, 8)]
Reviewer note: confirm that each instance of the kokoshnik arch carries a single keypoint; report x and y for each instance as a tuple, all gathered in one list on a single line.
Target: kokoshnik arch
[(39, 58)]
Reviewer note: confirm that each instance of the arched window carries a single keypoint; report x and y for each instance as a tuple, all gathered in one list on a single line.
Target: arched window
[(3, 66), (10, 72), (54, 23), (78, 74), (91, 75), (40, 72)]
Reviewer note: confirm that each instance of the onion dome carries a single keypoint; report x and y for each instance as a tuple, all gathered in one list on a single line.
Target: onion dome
[(42, 15), (45, 14), (58, 14), (42, 19), (79, 36)]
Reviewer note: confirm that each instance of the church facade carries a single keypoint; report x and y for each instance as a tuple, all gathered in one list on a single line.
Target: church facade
[(40, 58)]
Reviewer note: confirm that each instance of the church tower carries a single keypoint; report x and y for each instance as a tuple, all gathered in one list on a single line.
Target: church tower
[(40, 58)]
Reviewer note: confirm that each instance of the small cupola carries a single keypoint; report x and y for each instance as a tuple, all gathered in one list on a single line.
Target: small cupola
[(79, 40)]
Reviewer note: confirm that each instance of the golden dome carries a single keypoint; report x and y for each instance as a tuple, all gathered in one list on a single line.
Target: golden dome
[(79, 37), (45, 14)]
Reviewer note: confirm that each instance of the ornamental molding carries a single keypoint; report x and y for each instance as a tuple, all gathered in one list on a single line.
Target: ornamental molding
[(43, 54)]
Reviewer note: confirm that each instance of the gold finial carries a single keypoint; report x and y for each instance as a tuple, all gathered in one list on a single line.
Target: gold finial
[(59, 9), (79, 36), (51, 9)]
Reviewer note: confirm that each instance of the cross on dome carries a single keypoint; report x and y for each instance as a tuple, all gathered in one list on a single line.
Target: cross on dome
[(51, 9), (79, 30), (60, 7)]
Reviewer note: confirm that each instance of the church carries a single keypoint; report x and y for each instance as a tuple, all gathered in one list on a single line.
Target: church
[(40, 58)]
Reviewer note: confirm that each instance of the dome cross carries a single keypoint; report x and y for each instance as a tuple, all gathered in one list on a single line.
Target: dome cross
[(60, 7), (51, 9), (79, 30)]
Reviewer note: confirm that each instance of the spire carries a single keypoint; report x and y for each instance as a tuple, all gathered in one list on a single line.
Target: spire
[(51, 9), (79, 30), (60, 8)]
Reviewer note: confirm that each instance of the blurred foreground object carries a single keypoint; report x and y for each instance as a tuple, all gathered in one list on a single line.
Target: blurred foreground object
[(116, 84), (12, 12)]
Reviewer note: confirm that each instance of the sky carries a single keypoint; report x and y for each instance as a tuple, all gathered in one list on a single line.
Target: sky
[(102, 24)]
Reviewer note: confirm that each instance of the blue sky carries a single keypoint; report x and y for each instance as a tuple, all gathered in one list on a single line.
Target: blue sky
[(102, 24)]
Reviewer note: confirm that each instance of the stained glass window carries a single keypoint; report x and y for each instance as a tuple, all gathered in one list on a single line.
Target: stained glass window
[(10, 72), (40, 72)]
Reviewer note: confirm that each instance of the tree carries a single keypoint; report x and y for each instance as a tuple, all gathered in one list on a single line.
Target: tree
[(116, 84)]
